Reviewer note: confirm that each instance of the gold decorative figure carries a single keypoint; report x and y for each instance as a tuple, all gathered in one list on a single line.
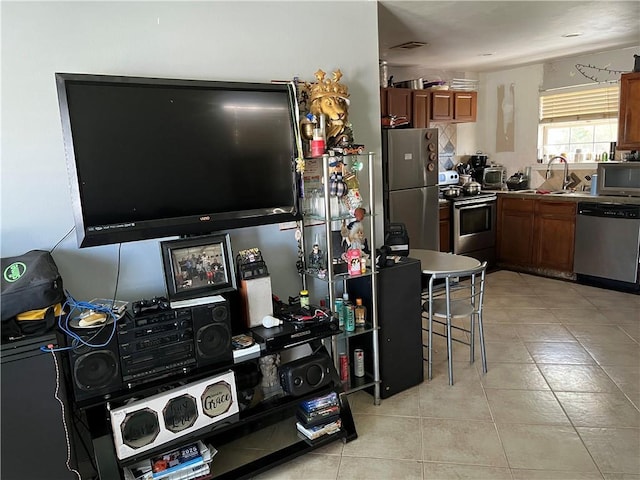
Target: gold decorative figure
[(330, 98)]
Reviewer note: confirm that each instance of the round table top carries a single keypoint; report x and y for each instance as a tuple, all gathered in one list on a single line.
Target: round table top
[(433, 262)]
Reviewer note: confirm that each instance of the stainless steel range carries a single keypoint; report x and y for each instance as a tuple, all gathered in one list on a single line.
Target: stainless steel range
[(474, 226)]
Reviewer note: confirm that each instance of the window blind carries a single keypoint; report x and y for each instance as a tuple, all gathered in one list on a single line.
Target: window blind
[(593, 104)]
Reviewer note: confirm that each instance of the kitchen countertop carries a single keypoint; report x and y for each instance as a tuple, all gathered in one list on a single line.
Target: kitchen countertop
[(569, 197)]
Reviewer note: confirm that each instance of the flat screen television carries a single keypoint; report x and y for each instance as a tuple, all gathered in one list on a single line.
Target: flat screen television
[(152, 157)]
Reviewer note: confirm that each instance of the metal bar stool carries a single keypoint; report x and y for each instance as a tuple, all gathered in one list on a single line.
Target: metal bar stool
[(461, 297)]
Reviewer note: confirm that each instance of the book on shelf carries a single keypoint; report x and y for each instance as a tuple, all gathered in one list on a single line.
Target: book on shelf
[(188, 462), (164, 465), (312, 433), (318, 417), (319, 403)]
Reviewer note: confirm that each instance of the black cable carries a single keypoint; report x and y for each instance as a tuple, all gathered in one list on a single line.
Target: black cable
[(115, 291), (62, 239)]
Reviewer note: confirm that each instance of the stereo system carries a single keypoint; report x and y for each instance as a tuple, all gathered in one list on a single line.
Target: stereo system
[(150, 346)]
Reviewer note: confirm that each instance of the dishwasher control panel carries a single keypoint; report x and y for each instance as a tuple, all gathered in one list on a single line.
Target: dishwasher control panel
[(608, 210)]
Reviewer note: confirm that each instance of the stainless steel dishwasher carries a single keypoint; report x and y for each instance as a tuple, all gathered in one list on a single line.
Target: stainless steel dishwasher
[(607, 244)]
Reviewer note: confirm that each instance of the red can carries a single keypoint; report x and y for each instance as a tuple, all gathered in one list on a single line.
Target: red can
[(344, 367)]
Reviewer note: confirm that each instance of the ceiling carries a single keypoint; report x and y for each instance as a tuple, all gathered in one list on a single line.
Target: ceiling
[(460, 35)]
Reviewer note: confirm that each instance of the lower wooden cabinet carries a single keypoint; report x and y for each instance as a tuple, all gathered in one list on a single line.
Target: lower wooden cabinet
[(555, 231), (445, 227), (536, 234)]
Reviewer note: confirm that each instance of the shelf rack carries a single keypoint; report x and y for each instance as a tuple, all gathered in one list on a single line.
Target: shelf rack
[(371, 380)]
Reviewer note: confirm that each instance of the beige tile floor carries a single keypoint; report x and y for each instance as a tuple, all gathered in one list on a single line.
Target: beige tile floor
[(561, 398)]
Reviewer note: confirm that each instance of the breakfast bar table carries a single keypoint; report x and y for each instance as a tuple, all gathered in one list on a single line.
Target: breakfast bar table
[(433, 262), (448, 266)]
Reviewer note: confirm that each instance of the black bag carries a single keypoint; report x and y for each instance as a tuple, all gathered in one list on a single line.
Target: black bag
[(29, 282)]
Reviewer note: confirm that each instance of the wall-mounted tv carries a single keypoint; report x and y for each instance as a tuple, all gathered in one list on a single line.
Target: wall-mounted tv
[(152, 157)]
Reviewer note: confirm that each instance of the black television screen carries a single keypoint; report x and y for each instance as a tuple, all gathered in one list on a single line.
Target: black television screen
[(151, 157)]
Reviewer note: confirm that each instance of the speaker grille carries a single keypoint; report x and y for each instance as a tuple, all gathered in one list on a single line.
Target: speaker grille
[(212, 340), (315, 375), (96, 370)]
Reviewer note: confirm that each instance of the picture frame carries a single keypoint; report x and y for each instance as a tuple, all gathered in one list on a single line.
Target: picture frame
[(198, 267)]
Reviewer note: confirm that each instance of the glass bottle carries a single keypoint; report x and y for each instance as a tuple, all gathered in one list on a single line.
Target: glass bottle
[(360, 314)]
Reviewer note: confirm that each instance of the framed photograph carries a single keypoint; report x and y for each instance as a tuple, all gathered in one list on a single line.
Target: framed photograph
[(198, 267)]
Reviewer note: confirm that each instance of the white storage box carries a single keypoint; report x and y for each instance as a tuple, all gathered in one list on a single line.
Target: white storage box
[(153, 421)]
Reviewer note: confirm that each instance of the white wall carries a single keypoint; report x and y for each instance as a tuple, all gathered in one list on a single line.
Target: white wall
[(526, 82), (564, 72), (240, 41)]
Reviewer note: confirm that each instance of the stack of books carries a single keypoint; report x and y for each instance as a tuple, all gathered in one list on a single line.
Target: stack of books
[(191, 462), (319, 416)]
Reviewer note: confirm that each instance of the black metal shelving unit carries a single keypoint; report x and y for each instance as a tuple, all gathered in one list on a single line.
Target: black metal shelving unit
[(264, 414)]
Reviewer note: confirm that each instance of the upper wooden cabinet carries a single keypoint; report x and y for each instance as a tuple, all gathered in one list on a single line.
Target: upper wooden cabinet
[(398, 102), (422, 106), (421, 100), (442, 105), (629, 114), (453, 106), (465, 106)]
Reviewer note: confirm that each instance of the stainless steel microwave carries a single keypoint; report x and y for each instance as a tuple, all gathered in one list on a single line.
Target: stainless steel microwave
[(619, 178), (494, 177)]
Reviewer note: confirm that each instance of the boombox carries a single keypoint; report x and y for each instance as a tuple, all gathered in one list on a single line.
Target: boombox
[(156, 420), (306, 374), (150, 346)]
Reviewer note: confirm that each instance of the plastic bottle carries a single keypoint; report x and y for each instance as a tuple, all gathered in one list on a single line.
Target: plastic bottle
[(360, 314), (304, 299), (349, 313)]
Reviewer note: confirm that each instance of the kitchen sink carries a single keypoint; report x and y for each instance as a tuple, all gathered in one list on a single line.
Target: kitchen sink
[(572, 193), (524, 191)]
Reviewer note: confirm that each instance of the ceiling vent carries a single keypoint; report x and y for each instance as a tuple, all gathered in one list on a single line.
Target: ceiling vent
[(409, 46)]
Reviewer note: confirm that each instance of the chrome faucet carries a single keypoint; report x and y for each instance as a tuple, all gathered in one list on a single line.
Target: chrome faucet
[(565, 178)]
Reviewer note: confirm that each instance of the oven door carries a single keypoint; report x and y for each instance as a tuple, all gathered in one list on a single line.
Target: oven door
[(474, 225)]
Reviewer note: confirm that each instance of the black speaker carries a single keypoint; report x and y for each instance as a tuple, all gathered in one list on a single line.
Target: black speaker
[(95, 371), (306, 374), (212, 331)]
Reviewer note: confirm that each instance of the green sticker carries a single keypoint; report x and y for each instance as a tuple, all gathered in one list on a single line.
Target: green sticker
[(14, 271)]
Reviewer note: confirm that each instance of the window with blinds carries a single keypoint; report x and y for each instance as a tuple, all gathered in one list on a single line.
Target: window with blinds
[(594, 104), (578, 124)]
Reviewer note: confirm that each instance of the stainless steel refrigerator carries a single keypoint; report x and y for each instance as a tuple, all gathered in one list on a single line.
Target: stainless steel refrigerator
[(410, 182)]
